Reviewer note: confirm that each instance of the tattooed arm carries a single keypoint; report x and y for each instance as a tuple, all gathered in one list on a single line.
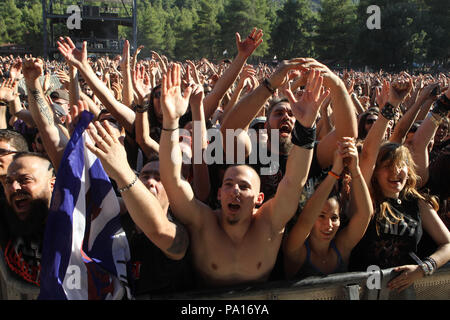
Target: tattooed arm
[(54, 140)]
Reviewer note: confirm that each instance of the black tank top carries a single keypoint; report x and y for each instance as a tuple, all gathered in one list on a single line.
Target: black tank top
[(308, 269), (390, 247)]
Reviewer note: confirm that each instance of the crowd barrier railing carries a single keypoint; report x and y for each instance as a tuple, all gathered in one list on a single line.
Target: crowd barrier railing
[(341, 286)]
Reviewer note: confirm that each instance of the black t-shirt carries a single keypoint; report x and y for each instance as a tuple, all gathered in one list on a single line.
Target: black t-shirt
[(152, 271), (21, 244), (393, 243)]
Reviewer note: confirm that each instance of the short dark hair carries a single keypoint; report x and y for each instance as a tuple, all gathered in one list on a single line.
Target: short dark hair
[(274, 103), (37, 155), (16, 139)]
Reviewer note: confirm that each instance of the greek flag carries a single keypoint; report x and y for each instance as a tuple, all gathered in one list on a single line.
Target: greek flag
[(85, 252)]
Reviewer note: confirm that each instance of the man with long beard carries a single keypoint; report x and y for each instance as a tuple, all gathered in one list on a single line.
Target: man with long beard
[(28, 188)]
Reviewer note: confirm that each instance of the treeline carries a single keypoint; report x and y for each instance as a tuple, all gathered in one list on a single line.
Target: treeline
[(333, 31)]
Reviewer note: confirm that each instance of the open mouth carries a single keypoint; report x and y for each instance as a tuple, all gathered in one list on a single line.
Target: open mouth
[(395, 182), (285, 130), (21, 202), (234, 207)]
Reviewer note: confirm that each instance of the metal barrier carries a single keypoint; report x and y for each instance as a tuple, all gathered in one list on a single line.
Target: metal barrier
[(342, 286)]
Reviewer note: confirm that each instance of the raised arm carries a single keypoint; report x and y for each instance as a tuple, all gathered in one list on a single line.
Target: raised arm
[(349, 237), (294, 245), (245, 48), (181, 196), (285, 202), (78, 58), (426, 132), (345, 123), (127, 92), (405, 123), (249, 106), (142, 125), (53, 139), (144, 208), (200, 182), (376, 134)]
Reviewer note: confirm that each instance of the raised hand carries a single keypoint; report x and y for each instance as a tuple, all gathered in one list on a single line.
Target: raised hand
[(279, 76), (247, 46), (349, 152), (140, 85), (174, 105), (32, 68), (400, 88), (8, 90), (197, 95), (74, 115), (71, 54), (63, 79), (382, 94), (307, 107), (330, 79), (16, 69), (108, 148), (125, 59)]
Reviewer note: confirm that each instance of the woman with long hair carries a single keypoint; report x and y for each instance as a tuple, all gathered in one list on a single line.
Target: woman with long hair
[(314, 246), (400, 211)]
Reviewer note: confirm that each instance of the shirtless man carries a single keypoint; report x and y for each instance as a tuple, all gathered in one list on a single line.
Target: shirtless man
[(239, 242)]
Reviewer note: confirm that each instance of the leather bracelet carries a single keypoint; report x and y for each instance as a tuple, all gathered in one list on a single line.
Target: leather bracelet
[(140, 109), (303, 137), (268, 86), (128, 186)]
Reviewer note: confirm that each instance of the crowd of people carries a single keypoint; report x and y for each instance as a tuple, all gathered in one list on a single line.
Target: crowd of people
[(361, 175)]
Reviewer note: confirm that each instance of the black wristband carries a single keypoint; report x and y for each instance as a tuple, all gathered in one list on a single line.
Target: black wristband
[(389, 111), (303, 137), (140, 109), (267, 84)]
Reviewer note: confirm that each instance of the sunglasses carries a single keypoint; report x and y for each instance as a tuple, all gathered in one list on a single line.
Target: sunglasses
[(4, 152), (370, 121), (157, 94)]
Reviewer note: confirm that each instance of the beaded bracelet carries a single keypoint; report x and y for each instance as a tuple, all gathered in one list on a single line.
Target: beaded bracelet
[(128, 186)]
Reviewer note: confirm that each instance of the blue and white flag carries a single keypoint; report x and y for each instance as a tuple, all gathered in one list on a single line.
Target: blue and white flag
[(85, 252)]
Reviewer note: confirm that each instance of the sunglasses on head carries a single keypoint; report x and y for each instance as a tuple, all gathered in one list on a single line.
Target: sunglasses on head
[(4, 152)]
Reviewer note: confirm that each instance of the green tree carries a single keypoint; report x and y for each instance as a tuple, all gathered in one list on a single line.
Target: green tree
[(242, 16), (11, 18), (151, 27), (437, 28), (32, 24), (336, 32), (399, 42), (206, 30), (294, 30)]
